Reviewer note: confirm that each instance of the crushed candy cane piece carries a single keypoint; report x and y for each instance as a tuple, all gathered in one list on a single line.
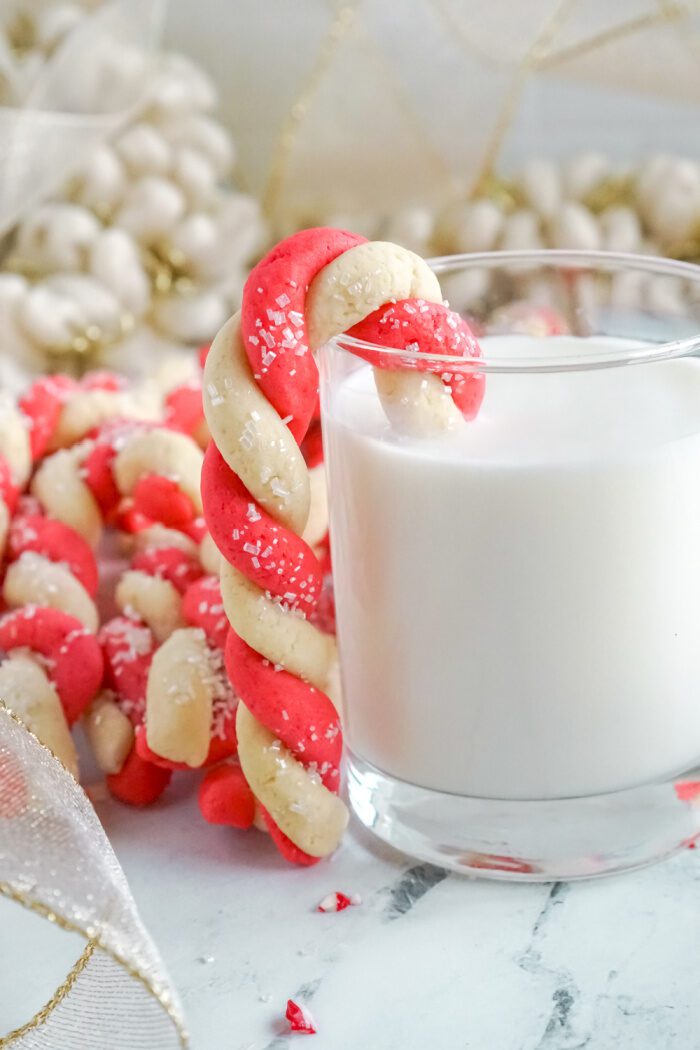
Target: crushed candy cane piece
[(300, 1019), (338, 902)]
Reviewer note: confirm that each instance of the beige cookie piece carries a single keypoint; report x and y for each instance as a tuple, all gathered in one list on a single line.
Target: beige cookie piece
[(35, 580), (288, 641), (162, 452), (109, 732), (26, 689), (416, 403), (179, 698), (64, 495), (249, 433), (361, 280), (14, 440), (305, 810), (317, 524), (151, 599), (158, 536), (209, 556), (82, 413)]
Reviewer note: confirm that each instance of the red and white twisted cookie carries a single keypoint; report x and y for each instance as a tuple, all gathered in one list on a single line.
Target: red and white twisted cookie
[(260, 395), (53, 664), (150, 468), (15, 462)]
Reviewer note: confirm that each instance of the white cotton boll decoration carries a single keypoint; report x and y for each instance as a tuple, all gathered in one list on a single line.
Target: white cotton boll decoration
[(521, 231), (665, 295), (650, 177), (49, 318), (199, 239), (465, 289), (57, 236), (115, 261), (151, 207), (473, 227), (621, 230), (243, 229), (97, 304), (203, 134), (195, 175), (674, 209), (583, 173), (102, 180), (575, 227), (54, 22), (627, 289), (144, 150), (412, 228), (190, 318), (540, 184), (179, 86)]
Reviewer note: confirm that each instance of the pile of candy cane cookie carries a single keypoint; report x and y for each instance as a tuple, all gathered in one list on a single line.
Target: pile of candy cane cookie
[(211, 652)]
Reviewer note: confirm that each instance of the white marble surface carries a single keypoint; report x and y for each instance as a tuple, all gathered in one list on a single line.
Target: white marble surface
[(426, 960)]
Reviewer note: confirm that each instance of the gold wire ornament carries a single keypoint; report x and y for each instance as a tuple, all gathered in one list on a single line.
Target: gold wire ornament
[(56, 862)]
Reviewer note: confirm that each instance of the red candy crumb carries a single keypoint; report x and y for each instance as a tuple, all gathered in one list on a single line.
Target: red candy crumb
[(338, 902), (687, 790), (300, 1019)]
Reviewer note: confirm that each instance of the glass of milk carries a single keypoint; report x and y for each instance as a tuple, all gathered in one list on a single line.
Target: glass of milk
[(518, 596)]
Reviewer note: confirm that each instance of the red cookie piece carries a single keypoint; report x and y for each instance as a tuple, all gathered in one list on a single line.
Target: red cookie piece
[(42, 405), (9, 492), (183, 408), (225, 797), (72, 655), (128, 649), (418, 326), (138, 783), (285, 845), (162, 499), (58, 543), (273, 320), (203, 607), (301, 716), (169, 563), (253, 542), (97, 474), (312, 446)]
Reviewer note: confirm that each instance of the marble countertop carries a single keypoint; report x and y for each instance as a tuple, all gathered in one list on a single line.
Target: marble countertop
[(427, 959)]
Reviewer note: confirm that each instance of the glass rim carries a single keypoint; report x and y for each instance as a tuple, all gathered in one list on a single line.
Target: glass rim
[(565, 259)]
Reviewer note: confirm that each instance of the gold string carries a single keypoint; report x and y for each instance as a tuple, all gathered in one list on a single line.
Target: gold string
[(42, 1015), (340, 25)]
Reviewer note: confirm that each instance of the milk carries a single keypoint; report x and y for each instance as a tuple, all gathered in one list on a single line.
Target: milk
[(518, 602)]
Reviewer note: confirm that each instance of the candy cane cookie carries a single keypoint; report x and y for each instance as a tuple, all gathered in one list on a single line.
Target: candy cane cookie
[(152, 468), (50, 583), (260, 393), (15, 462)]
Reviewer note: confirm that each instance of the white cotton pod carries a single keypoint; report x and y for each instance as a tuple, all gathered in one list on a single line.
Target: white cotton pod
[(96, 304), (665, 295), (57, 236), (199, 238), (674, 209), (190, 318), (195, 175), (651, 175), (180, 86), (521, 231), (466, 289), (144, 150), (53, 22), (151, 207), (199, 132), (574, 226), (412, 228), (474, 226), (115, 261), (583, 173), (540, 184), (243, 228), (627, 289), (101, 181), (620, 229), (49, 318)]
